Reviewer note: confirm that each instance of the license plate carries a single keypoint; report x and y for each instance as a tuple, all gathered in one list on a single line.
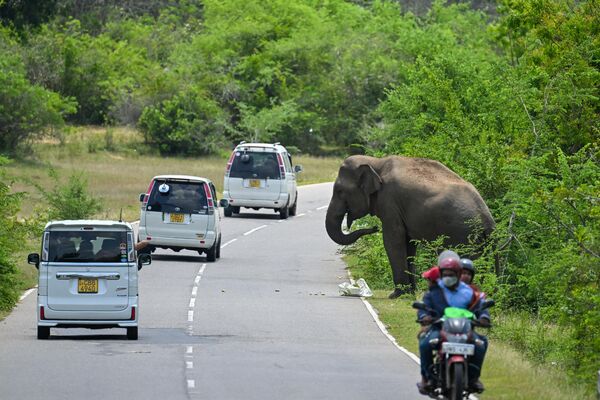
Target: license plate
[(87, 285), (255, 183), (177, 218), (458, 348)]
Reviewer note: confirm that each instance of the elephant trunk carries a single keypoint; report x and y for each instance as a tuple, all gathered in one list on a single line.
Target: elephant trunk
[(333, 224)]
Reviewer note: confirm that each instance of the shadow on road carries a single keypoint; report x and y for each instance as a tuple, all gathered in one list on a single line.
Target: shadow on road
[(177, 257)]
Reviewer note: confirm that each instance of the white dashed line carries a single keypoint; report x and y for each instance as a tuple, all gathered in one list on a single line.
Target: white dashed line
[(189, 350), (194, 291), (202, 269), (189, 364), (191, 384), (190, 316), (192, 302), (300, 215), (322, 207), (280, 221), (228, 243), (254, 230), (197, 279)]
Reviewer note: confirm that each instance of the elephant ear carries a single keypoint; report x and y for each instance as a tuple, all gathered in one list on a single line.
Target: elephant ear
[(368, 179)]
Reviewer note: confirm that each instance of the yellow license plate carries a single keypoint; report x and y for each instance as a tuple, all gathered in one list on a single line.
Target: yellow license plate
[(178, 218), (255, 183), (87, 285)]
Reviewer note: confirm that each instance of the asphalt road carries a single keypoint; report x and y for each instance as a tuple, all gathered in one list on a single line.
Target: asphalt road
[(263, 322)]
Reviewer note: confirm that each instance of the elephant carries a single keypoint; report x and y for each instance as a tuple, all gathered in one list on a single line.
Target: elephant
[(415, 199)]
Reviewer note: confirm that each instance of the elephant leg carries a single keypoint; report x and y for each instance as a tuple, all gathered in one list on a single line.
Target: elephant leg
[(411, 252), (394, 241)]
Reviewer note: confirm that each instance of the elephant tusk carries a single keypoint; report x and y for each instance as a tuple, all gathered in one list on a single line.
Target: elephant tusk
[(349, 221)]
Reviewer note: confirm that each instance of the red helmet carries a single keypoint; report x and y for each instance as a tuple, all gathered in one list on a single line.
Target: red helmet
[(452, 264)]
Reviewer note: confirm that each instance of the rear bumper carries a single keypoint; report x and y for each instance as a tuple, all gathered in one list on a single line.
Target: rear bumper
[(168, 242), (281, 202), (82, 318)]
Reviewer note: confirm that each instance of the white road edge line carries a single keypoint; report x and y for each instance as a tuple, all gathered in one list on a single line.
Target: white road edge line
[(322, 207), (227, 243), (254, 230), (27, 293)]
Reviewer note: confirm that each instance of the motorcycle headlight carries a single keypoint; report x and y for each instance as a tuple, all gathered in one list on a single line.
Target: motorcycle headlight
[(458, 338)]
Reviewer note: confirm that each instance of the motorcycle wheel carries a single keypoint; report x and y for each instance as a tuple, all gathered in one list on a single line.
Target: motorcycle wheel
[(457, 376)]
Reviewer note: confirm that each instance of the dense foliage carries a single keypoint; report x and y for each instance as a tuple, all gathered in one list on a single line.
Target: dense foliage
[(507, 97)]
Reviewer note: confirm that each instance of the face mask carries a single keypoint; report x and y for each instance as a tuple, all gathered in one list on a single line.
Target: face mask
[(449, 281)]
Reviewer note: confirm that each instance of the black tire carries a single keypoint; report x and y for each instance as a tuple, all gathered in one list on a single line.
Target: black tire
[(293, 208), (211, 254), (457, 381), (228, 211), (132, 333), (43, 332), (235, 209), (284, 212), (219, 247)]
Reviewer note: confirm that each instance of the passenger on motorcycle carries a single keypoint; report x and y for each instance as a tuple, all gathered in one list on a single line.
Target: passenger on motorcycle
[(450, 292)]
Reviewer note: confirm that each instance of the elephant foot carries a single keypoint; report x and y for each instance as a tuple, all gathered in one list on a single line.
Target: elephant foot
[(400, 290)]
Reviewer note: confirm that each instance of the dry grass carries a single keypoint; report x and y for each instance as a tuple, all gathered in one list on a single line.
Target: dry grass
[(117, 177)]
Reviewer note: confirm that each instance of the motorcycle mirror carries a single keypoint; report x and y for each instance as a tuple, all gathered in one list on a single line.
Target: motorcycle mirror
[(419, 305)]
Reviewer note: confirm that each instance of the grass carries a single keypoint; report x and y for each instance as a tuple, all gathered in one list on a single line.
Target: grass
[(507, 375), (118, 167)]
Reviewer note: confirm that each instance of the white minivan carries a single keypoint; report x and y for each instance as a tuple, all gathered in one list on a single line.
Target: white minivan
[(88, 276), (181, 212), (260, 175)]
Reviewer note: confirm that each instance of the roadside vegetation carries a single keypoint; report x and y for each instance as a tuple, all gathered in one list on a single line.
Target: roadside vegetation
[(506, 93)]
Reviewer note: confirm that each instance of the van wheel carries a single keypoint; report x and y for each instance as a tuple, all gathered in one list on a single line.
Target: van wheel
[(284, 212), (43, 332), (219, 248), (228, 211), (132, 333), (235, 209), (211, 254), (293, 208)]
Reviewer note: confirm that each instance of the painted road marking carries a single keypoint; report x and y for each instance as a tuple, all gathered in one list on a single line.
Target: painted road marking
[(197, 279), (192, 302), (228, 243), (189, 350), (194, 291), (190, 316), (27, 293), (322, 207), (202, 269), (254, 230), (300, 215), (191, 384), (189, 364)]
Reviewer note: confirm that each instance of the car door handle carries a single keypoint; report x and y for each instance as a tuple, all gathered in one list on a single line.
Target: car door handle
[(111, 276)]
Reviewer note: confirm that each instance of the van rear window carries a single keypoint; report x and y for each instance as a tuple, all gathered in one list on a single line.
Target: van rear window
[(88, 246), (178, 197), (255, 164)]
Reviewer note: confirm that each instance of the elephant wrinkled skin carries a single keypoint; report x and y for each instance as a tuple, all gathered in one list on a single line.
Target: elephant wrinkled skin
[(415, 199)]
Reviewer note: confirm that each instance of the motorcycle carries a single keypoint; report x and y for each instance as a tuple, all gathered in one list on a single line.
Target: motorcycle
[(453, 349)]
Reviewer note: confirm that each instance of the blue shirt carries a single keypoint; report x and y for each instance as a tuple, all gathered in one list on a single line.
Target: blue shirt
[(461, 297)]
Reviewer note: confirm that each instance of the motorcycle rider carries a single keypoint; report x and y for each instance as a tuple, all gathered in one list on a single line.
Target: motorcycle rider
[(468, 271), (450, 292)]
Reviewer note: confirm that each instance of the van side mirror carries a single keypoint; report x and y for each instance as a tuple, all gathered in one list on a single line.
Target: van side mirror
[(34, 259), (224, 203), (298, 168), (144, 259), (142, 195)]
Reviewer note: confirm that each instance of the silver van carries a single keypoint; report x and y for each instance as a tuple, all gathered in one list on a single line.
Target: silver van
[(260, 175), (88, 276)]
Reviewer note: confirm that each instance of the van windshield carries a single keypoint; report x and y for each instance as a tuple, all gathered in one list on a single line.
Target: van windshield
[(88, 246), (178, 197), (255, 164)]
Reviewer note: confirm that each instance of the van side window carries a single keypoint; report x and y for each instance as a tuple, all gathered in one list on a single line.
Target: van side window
[(287, 161)]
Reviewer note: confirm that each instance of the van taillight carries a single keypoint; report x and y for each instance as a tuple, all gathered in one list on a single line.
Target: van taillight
[(132, 313), (147, 196), (42, 315), (209, 199), (229, 163), (281, 166)]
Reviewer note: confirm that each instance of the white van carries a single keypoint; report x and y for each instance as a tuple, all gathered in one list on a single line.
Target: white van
[(88, 276), (260, 175), (181, 212)]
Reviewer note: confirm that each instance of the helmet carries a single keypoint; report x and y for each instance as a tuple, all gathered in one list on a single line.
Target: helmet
[(452, 264), (468, 265), (447, 254)]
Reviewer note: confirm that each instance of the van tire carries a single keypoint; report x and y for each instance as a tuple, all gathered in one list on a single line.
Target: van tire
[(43, 332), (228, 211), (211, 254), (284, 212), (132, 333), (293, 208)]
